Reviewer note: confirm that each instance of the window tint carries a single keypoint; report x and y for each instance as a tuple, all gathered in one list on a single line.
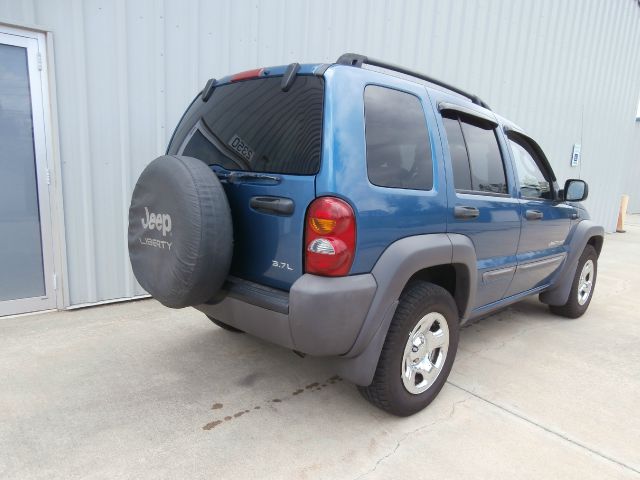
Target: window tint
[(458, 151), (398, 149), (203, 149), (531, 180), (487, 169), (254, 125)]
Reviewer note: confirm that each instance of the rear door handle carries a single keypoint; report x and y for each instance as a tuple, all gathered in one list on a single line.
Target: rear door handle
[(466, 212), (533, 215), (273, 205)]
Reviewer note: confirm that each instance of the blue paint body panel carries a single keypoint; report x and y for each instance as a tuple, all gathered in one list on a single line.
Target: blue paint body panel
[(277, 238), (383, 215)]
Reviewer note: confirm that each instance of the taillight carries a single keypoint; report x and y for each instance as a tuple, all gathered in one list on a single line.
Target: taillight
[(247, 75), (330, 237)]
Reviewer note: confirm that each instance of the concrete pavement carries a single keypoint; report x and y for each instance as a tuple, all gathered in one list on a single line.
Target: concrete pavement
[(136, 390)]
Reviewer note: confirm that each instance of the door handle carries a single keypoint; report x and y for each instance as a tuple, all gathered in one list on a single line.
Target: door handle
[(533, 215), (273, 205), (466, 212)]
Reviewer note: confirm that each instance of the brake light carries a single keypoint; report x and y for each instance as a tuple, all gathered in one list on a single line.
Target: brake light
[(330, 237), (255, 73)]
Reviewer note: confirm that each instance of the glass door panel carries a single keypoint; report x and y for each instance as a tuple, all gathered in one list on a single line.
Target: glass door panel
[(21, 267)]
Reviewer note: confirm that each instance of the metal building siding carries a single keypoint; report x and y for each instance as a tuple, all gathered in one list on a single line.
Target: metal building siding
[(566, 71)]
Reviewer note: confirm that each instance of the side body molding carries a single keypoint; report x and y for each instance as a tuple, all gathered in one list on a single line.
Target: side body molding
[(582, 232), (394, 268)]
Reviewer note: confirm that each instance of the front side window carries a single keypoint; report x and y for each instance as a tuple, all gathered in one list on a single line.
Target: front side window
[(397, 140), (531, 179)]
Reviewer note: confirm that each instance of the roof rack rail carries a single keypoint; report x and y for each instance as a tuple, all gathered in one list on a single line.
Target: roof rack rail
[(357, 60)]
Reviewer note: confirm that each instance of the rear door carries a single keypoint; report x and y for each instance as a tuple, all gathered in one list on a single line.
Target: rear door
[(264, 144), (545, 220), (481, 203)]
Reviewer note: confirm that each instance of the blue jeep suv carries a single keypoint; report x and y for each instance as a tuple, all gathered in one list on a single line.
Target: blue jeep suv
[(358, 211)]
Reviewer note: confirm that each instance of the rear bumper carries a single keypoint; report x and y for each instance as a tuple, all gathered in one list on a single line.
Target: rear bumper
[(319, 316)]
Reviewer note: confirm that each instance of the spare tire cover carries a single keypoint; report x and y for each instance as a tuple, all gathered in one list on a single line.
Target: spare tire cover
[(180, 231)]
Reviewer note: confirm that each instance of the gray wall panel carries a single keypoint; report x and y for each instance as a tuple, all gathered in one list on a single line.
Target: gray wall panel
[(567, 71)]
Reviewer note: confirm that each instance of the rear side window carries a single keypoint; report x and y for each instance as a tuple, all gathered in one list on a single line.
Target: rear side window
[(253, 125), (458, 151), (398, 149), (477, 163)]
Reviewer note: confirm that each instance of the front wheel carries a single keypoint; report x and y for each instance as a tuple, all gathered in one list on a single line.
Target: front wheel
[(584, 282), (418, 352)]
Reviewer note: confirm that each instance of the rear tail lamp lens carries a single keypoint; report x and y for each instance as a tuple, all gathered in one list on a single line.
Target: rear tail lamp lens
[(330, 237), (322, 225)]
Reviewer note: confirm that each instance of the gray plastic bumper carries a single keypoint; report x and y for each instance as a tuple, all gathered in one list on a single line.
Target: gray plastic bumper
[(323, 318)]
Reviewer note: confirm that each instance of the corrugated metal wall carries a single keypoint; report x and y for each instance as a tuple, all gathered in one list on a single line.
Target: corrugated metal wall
[(567, 71)]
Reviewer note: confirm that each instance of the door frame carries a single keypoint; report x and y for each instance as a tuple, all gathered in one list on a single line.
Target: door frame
[(41, 83)]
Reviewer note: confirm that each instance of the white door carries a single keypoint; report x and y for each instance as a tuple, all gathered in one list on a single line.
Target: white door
[(26, 260)]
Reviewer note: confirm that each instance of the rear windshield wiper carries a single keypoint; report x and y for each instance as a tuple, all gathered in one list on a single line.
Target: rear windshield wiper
[(240, 177)]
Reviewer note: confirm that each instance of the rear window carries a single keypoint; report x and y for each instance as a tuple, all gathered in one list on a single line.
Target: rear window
[(398, 150), (253, 125)]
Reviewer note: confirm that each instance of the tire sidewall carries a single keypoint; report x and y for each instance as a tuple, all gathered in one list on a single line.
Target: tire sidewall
[(408, 402), (589, 253)]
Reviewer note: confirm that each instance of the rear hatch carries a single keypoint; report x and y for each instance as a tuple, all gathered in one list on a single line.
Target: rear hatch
[(264, 143)]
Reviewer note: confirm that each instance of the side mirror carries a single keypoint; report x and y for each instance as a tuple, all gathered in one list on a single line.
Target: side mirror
[(575, 190)]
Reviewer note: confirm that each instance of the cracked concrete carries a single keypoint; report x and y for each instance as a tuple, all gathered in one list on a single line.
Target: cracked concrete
[(410, 434), (125, 391)]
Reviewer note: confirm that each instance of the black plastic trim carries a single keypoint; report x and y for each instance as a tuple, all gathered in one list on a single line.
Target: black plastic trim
[(482, 192), (357, 60), (319, 72), (281, 206), (516, 134), (258, 295), (208, 89), (586, 189), (469, 112), (289, 76)]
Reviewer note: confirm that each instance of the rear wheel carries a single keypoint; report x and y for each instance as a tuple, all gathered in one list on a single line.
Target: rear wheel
[(224, 325), (584, 282), (418, 352)]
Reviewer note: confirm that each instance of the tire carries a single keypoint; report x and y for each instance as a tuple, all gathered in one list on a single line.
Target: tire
[(420, 303), (180, 231), (224, 326), (577, 303)]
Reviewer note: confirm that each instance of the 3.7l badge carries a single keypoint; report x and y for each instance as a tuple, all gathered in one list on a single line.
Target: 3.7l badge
[(282, 265)]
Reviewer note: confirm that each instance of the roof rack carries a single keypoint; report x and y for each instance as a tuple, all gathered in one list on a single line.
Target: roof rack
[(357, 60)]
